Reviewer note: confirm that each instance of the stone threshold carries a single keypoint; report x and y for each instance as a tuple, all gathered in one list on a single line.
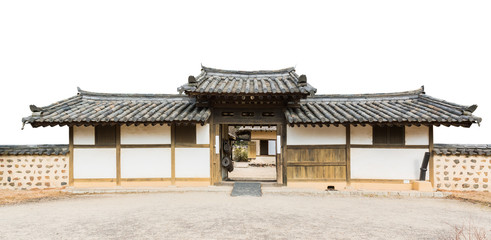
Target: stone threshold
[(266, 190)]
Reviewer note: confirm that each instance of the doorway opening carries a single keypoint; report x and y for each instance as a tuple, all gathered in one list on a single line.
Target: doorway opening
[(253, 153)]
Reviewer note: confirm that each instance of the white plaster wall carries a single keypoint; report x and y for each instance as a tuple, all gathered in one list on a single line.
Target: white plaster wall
[(361, 135), (316, 135), (94, 163), (271, 147), (417, 135), (386, 163), (192, 162), (145, 163), (83, 135), (203, 134), (145, 134)]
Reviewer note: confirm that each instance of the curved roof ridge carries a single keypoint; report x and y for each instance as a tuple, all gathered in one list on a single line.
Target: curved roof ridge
[(241, 72), (404, 94), (84, 93)]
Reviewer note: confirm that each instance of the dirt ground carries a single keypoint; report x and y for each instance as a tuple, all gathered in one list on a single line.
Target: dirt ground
[(15, 196), (476, 197), (219, 216)]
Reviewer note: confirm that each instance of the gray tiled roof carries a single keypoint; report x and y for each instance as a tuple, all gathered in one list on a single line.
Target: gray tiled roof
[(222, 82), (412, 107), (462, 149), (45, 149), (103, 108)]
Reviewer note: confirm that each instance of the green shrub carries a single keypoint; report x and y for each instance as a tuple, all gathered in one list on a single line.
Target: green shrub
[(240, 154)]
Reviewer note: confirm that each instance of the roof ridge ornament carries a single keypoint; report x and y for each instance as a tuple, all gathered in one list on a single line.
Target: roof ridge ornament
[(302, 80)]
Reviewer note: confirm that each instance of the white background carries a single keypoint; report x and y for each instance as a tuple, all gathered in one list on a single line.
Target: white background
[(48, 48)]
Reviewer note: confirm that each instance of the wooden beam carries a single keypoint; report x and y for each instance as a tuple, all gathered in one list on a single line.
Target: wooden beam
[(193, 179), (348, 154), (279, 157), (432, 163), (332, 146), (145, 145), (190, 145), (396, 181), (95, 180), (173, 154), (298, 164), (390, 146), (145, 179), (118, 155), (70, 156), (284, 145)]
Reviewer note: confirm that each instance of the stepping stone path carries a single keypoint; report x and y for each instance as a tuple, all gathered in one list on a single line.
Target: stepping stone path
[(246, 189)]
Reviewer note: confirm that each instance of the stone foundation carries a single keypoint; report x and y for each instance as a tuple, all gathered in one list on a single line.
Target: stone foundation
[(33, 171)]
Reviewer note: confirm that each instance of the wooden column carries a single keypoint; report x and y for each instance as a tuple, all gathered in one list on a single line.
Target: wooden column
[(215, 161), (348, 154), (212, 151), (432, 164), (70, 156), (118, 155), (173, 154), (279, 156), (284, 163)]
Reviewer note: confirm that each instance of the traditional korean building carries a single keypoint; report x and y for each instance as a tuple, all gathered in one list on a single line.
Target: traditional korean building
[(356, 141)]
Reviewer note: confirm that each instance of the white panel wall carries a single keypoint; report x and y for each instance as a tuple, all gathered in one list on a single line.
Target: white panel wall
[(192, 162), (361, 135), (146, 163), (417, 135), (271, 147), (145, 134), (83, 135), (386, 163), (94, 163), (203, 134), (316, 135)]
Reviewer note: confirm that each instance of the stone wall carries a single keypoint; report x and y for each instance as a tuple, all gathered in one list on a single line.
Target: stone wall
[(464, 169), (32, 168)]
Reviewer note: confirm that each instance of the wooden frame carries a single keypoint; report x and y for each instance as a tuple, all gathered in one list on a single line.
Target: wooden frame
[(95, 180), (389, 146), (70, 158), (118, 155), (299, 164), (393, 181), (173, 153), (317, 180), (333, 146), (348, 154), (192, 145), (431, 162), (145, 179), (145, 145)]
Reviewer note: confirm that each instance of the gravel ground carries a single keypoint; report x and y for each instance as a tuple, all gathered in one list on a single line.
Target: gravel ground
[(218, 216)]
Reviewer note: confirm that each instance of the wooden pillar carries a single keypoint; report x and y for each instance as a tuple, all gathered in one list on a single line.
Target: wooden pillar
[(173, 154), (217, 169), (70, 155), (283, 154), (432, 164), (118, 155), (279, 156), (348, 154)]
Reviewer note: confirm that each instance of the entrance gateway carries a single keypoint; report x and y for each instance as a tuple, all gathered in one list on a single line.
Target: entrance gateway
[(362, 141), (252, 98)]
